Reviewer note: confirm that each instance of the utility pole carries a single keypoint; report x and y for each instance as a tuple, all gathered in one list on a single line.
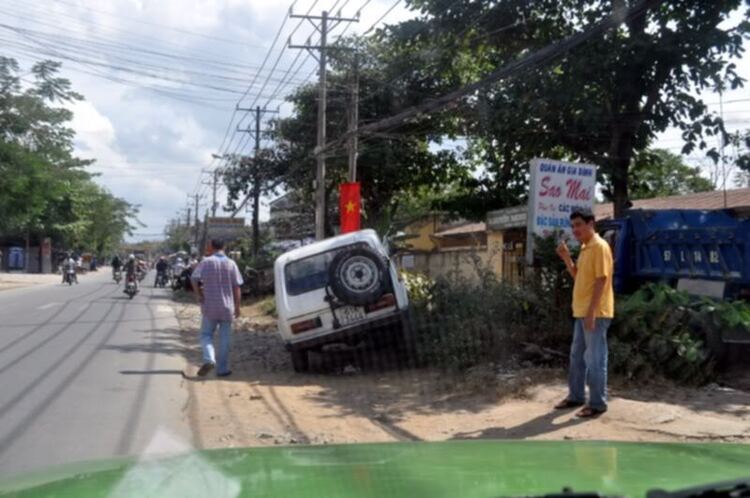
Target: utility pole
[(187, 220), (204, 239), (320, 170), (353, 123), (257, 177), (214, 182), (196, 222)]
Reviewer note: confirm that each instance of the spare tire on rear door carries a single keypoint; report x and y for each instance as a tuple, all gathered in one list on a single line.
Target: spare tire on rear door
[(358, 276)]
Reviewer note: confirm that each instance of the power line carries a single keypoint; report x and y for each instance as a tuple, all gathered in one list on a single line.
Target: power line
[(382, 17), (93, 40), (120, 17), (222, 149), (85, 55), (534, 59)]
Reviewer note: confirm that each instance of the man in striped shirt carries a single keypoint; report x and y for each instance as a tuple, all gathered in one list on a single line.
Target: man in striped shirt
[(217, 282)]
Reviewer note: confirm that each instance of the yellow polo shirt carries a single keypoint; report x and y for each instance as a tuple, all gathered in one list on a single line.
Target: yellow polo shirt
[(594, 261)]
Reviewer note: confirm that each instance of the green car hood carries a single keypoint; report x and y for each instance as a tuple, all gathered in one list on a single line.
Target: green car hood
[(450, 469)]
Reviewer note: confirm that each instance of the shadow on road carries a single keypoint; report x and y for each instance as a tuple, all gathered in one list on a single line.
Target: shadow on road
[(530, 428), (152, 372)]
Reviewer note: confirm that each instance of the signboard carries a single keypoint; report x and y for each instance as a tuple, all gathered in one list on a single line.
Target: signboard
[(504, 219), (226, 228), (557, 188)]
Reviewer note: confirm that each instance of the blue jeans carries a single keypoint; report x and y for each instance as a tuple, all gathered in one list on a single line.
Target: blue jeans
[(208, 327), (588, 364)]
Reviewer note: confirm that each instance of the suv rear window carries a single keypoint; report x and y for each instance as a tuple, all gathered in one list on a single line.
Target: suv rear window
[(310, 273)]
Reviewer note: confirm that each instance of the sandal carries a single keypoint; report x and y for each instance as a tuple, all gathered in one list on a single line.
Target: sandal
[(204, 369), (567, 403), (588, 412)]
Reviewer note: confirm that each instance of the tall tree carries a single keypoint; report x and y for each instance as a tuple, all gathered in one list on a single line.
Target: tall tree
[(600, 103), (252, 178), (660, 173), (44, 187), (390, 165)]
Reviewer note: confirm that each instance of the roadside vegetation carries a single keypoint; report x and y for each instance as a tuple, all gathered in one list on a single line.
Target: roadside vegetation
[(45, 190), (463, 322)]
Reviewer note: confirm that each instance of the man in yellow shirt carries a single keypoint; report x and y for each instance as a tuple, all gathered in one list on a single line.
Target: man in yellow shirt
[(593, 310)]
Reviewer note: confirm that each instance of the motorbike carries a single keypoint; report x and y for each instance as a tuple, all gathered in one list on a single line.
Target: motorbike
[(117, 276), (70, 276), (182, 281), (131, 287), (161, 279)]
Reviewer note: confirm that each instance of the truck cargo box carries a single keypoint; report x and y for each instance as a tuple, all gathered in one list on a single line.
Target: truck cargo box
[(703, 252)]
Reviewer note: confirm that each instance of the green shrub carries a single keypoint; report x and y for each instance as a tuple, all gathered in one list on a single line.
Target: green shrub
[(462, 322), (419, 288), (660, 330), (268, 306)]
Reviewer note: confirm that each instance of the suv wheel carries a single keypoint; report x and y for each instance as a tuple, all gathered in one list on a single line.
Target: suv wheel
[(357, 276)]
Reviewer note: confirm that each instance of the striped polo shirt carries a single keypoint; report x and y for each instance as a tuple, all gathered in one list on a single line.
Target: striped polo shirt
[(218, 275)]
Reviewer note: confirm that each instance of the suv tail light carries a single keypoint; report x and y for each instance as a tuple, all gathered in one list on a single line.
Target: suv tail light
[(386, 301), (306, 325)]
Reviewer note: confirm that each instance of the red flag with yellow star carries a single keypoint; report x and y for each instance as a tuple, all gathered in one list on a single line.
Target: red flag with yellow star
[(349, 206)]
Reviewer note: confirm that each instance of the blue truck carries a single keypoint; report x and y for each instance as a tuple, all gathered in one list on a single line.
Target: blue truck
[(703, 252)]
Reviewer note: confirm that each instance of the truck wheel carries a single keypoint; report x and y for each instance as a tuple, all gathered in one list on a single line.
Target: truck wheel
[(300, 361), (357, 276), (719, 349)]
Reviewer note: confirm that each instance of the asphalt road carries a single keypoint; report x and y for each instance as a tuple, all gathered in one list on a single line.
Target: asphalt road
[(86, 373)]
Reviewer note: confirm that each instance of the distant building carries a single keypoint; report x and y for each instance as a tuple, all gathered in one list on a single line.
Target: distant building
[(437, 249)]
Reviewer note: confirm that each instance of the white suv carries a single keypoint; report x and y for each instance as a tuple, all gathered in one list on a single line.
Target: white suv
[(340, 290)]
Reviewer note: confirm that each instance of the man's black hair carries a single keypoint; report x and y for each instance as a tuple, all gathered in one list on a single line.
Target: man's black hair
[(585, 214), (217, 244)]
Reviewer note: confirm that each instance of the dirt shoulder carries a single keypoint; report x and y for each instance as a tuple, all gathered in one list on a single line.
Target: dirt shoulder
[(265, 403), (15, 280)]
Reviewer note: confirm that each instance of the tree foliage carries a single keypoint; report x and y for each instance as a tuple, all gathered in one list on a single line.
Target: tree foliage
[(44, 188), (660, 173), (600, 103), (390, 165)]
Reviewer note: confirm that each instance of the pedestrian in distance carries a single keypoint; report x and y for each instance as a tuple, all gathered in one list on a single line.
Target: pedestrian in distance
[(593, 310), (217, 282)]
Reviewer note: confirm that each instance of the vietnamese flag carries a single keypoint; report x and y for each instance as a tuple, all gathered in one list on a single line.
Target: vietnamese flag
[(349, 206)]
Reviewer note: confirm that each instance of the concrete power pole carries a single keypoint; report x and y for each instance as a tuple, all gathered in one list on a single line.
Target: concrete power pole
[(214, 183), (214, 204), (256, 191), (320, 170), (353, 123), (196, 222)]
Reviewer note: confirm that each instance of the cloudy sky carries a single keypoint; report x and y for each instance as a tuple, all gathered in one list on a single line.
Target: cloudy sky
[(161, 80)]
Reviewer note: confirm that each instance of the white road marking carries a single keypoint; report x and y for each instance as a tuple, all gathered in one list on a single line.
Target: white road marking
[(47, 306)]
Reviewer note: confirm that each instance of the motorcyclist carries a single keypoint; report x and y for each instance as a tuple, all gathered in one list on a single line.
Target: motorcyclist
[(116, 264), (69, 268), (131, 269), (178, 266), (161, 269), (142, 268)]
